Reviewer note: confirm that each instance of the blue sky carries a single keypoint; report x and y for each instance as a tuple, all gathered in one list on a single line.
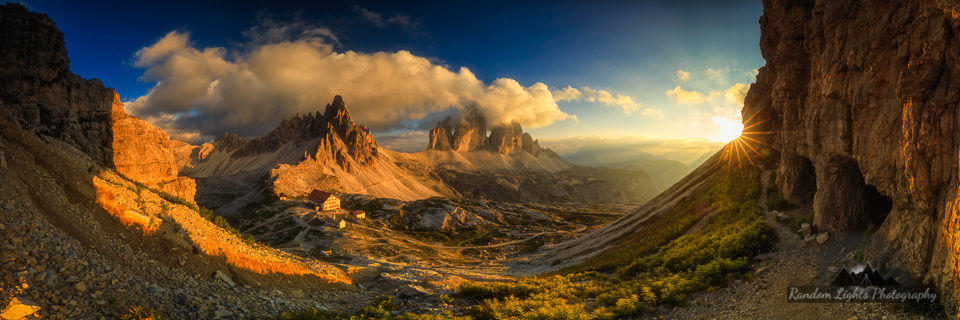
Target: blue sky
[(630, 48)]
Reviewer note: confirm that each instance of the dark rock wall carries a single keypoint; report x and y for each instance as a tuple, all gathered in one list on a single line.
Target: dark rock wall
[(868, 90)]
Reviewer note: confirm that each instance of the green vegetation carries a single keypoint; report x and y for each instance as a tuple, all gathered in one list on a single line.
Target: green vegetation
[(775, 200), (661, 267), (385, 308), (143, 313)]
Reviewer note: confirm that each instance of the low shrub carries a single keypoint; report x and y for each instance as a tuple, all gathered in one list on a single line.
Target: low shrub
[(662, 267)]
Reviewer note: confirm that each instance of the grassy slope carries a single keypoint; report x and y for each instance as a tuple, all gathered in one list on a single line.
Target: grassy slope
[(654, 269)]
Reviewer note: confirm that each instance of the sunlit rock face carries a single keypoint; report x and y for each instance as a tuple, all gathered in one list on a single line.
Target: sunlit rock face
[(334, 124), (471, 135), (41, 94), (440, 137), (862, 98), (471, 131)]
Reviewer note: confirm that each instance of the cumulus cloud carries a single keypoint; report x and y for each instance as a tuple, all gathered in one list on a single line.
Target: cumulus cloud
[(690, 97), (736, 93), (597, 95), (733, 95), (283, 71), (683, 75)]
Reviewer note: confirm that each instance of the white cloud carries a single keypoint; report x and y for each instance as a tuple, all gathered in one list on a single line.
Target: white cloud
[(626, 103), (733, 95), (736, 93), (690, 97), (251, 90), (682, 75)]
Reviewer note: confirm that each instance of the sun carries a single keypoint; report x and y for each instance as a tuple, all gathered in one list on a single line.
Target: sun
[(728, 129)]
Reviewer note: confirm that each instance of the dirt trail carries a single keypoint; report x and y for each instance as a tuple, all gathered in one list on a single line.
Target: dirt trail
[(791, 263)]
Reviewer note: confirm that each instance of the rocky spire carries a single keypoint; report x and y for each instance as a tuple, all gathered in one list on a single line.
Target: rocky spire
[(506, 138), (470, 135), (440, 137), (471, 131), (228, 143)]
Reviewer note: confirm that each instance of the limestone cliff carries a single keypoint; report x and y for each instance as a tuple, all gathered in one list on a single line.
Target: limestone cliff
[(40, 94), (471, 131), (861, 98), (441, 137), (471, 135)]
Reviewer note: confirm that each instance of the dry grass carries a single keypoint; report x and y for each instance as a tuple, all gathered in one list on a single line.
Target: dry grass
[(107, 198)]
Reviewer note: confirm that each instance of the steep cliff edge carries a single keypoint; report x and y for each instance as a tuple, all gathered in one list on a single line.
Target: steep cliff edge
[(860, 98), (40, 94), (78, 226)]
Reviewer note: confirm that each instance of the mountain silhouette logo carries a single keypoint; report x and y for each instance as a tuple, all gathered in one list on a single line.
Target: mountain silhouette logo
[(863, 276)]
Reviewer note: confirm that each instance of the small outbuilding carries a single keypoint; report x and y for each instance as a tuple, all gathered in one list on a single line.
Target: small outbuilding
[(324, 200)]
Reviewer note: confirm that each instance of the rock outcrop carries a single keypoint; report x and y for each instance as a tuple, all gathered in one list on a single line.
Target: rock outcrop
[(471, 132), (42, 96), (38, 91), (862, 98), (230, 142), (327, 151), (471, 135), (441, 137)]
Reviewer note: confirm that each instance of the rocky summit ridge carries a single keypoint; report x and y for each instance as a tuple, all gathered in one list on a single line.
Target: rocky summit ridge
[(334, 124)]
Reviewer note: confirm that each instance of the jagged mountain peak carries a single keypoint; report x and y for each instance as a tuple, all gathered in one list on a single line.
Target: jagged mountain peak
[(228, 143), (469, 133), (335, 123)]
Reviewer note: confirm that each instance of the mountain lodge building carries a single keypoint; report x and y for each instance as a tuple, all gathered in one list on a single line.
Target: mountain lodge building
[(325, 200)]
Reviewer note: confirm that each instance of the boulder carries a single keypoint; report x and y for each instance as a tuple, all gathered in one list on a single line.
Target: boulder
[(412, 290), (806, 229), (19, 308), (823, 238), (225, 278)]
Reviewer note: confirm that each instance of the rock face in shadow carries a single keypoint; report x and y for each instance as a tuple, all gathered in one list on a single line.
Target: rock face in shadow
[(440, 137), (38, 91), (862, 98), (40, 94)]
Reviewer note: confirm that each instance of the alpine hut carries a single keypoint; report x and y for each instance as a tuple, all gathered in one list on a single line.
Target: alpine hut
[(324, 200)]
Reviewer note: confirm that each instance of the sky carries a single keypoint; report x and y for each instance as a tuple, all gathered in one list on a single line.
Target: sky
[(567, 71)]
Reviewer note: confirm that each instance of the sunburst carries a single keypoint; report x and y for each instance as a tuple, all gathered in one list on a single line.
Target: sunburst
[(744, 149)]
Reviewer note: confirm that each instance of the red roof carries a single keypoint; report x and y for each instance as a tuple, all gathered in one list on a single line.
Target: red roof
[(319, 196)]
